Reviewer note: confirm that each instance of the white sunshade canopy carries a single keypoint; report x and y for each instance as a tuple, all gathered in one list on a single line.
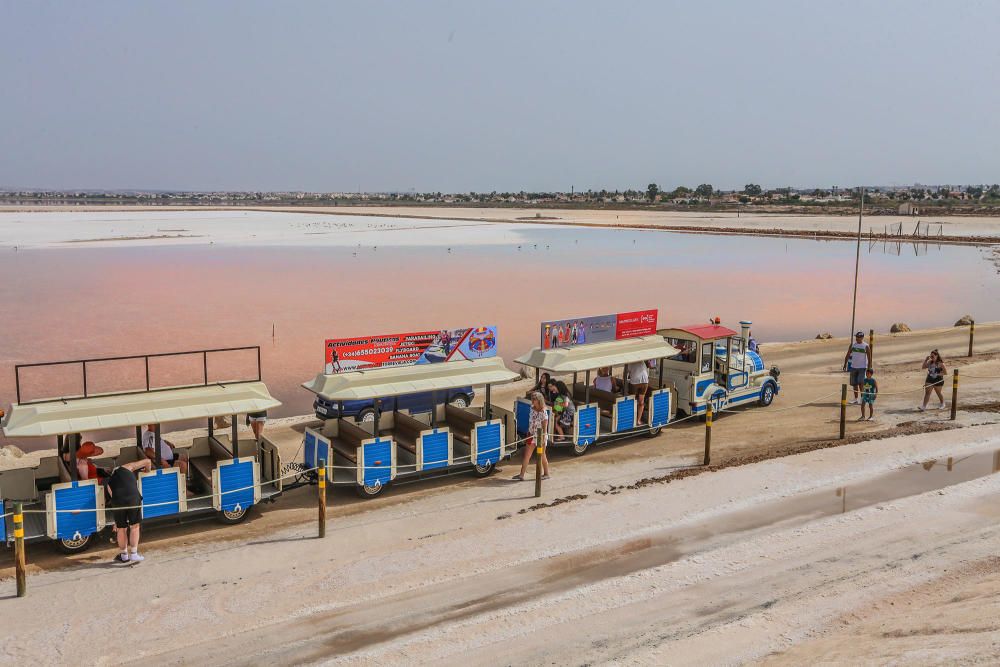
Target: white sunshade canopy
[(598, 355), (153, 407), (400, 380)]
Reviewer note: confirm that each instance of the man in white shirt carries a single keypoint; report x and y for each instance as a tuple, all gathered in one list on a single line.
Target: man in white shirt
[(860, 357), (168, 459)]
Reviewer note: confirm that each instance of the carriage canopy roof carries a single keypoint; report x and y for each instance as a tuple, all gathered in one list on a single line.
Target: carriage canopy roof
[(149, 407), (701, 331), (598, 355), (400, 380)]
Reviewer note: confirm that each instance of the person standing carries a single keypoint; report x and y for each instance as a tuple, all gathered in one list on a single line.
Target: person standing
[(123, 492), (638, 378), (537, 420), (869, 393), (935, 379), (859, 357), (256, 421)]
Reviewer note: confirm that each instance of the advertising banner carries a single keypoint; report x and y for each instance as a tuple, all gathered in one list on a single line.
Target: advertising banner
[(405, 349), (598, 329)]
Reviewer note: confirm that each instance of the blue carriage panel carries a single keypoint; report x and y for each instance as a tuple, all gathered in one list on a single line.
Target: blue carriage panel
[(624, 415), (588, 418), (522, 415), (489, 442), (76, 508), (315, 447), (160, 493), (436, 449), (236, 484), (377, 463), (660, 415)]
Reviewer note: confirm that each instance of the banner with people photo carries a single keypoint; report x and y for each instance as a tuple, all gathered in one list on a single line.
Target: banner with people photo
[(597, 329), (405, 349)]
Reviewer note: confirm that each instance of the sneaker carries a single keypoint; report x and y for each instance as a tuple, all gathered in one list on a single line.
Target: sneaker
[(941, 407), (121, 558), (136, 558), (545, 477), (855, 402), (921, 408)]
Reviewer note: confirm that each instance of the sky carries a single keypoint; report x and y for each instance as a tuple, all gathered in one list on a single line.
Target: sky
[(508, 96)]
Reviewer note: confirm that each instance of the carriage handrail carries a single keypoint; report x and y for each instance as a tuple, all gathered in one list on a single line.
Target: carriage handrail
[(146, 357)]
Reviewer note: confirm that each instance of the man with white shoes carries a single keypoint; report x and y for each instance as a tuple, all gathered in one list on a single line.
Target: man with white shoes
[(859, 356)]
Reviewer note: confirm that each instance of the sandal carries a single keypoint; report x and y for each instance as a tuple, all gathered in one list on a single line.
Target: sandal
[(518, 478), (545, 477)]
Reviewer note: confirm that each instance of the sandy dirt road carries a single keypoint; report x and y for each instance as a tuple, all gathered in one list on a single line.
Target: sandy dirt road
[(743, 563)]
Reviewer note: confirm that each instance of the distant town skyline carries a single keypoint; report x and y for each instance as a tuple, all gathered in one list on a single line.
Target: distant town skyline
[(471, 97)]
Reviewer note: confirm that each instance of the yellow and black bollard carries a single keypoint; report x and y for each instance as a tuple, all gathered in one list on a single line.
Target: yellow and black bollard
[(19, 559), (538, 463), (321, 473), (708, 434), (843, 411), (972, 335), (871, 344), (954, 394)]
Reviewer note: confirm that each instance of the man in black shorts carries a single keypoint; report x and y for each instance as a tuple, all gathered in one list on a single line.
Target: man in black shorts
[(122, 489)]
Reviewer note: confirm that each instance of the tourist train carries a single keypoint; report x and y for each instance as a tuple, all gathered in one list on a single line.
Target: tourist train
[(394, 408)]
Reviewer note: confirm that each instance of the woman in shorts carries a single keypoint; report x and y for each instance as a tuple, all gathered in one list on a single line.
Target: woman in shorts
[(935, 379), (537, 420), (256, 421)]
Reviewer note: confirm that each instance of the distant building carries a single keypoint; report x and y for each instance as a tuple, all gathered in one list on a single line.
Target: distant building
[(908, 208)]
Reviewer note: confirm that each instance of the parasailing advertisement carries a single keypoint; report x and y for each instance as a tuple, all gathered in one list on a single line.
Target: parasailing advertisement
[(404, 349)]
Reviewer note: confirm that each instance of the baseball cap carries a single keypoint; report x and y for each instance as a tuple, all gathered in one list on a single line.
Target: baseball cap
[(87, 450), (860, 333)]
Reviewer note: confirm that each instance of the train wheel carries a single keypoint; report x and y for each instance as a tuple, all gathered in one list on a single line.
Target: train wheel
[(767, 394), (654, 431), (75, 545), (367, 491), (484, 471), (233, 516), (580, 448), (461, 401)]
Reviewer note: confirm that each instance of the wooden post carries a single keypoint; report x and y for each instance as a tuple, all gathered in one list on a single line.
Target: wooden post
[(538, 462), (954, 394), (871, 344), (322, 497), (972, 335), (22, 582), (708, 433), (843, 411)]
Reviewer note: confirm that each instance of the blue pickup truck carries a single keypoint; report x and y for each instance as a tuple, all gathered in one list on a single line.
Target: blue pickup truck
[(364, 411)]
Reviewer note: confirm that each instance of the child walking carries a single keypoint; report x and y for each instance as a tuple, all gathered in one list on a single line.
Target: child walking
[(869, 389)]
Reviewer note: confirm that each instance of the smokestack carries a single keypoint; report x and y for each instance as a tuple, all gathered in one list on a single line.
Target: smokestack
[(745, 332)]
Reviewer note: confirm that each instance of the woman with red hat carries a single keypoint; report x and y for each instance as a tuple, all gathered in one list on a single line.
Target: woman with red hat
[(84, 465)]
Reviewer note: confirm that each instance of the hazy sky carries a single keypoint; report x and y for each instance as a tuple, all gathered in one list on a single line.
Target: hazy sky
[(458, 96)]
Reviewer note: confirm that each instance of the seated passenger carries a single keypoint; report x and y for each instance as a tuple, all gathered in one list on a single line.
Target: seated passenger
[(606, 382), (564, 410), (85, 467), (543, 387), (168, 456)]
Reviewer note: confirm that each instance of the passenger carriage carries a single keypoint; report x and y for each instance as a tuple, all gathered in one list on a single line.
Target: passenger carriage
[(427, 438), (227, 474), (603, 415), (712, 364)]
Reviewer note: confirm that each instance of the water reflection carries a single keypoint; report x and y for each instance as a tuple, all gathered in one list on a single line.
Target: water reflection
[(921, 477)]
